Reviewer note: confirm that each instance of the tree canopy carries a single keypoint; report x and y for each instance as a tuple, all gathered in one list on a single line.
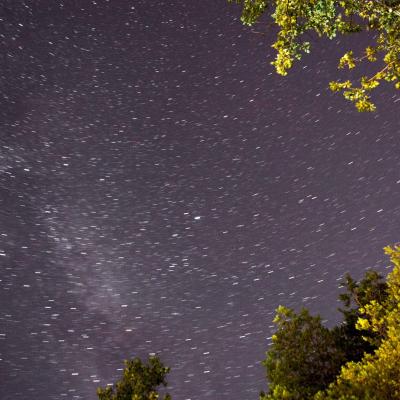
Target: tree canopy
[(330, 18), (377, 375), (303, 357), (139, 381), (357, 360)]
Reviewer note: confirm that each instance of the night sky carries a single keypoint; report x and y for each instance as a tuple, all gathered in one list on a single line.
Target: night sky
[(163, 191)]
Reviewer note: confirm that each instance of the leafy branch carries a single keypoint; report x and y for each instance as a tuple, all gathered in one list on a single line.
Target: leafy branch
[(329, 18)]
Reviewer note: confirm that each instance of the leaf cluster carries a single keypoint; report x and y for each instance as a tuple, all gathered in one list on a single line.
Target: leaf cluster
[(302, 358), (306, 360), (377, 375), (296, 19), (139, 381)]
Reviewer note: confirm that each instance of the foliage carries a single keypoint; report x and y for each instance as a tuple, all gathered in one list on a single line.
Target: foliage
[(377, 375), (139, 381), (358, 294), (309, 361), (303, 357), (329, 18)]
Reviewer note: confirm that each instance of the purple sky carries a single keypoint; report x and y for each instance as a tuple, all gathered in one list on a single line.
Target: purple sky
[(163, 190)]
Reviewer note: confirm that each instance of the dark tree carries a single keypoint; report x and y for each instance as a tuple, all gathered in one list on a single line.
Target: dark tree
[(305, 357), (358, 294), (139, 381)]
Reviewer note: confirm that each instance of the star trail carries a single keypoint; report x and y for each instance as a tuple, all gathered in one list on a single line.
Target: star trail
[(163, 191)]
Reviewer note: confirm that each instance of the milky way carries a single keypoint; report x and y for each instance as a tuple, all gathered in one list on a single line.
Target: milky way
[(163, 191)]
